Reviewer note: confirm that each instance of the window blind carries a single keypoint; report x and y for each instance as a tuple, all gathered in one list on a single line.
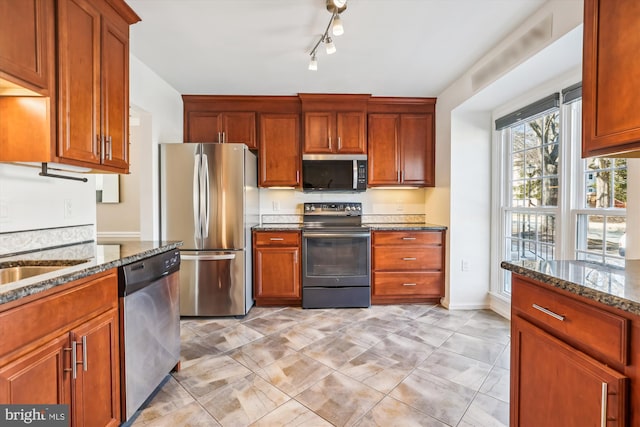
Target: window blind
[(543, 105)]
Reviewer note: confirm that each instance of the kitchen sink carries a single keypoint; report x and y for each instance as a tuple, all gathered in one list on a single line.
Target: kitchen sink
[(13, 274)]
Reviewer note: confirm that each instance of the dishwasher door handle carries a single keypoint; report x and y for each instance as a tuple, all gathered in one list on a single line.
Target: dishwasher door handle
[(217, 257)]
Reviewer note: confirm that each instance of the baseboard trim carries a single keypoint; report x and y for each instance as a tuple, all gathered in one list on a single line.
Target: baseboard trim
[(500, 305), (469, 306)]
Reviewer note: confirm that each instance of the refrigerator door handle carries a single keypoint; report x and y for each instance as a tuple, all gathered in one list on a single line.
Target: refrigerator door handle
[(212, 257), (206, 205), (196, 197)]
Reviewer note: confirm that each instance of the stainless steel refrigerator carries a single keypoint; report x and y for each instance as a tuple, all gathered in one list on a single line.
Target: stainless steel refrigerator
[(209, 200)]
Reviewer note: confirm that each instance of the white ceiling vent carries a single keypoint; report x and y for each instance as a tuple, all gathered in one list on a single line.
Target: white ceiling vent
[(531, 41)]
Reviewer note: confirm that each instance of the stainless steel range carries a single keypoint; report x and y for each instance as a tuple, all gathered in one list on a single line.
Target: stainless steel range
[(336, 256)]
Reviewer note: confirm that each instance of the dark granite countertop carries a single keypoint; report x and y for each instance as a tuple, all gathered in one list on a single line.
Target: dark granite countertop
[(278, 227), (615, 287), (424, 226), (373, 226), (90, 258)]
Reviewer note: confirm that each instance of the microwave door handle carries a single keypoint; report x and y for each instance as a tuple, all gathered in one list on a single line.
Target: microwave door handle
[(355, 174)]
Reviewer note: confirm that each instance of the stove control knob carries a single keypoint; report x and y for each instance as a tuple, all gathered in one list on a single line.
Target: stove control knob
[(313, 208), (358, 208), (348, 208)]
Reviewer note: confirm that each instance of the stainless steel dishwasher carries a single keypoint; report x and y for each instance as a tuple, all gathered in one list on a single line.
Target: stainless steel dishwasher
[(150, 326)]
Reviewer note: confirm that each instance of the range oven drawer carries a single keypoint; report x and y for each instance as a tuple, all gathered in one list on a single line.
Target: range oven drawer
[(403, 284)]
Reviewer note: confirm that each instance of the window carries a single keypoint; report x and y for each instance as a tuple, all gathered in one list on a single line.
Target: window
[(532, 192), (600, 205), (553, 203)]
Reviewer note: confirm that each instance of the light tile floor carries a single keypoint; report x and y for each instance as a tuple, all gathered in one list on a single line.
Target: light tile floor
[(396, 365)]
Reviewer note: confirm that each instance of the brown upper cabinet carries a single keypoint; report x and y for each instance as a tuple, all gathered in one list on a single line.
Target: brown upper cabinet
[(85, 122), (401, 134), (214, 126), (610, 92), (334, 124), (26, 45), (221, 118), (279, 153), (93, 104)]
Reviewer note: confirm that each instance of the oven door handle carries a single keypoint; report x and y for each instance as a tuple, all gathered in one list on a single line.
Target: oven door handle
[(215, 257), (315, 235)]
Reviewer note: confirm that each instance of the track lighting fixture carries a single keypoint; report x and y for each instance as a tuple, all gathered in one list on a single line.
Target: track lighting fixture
[(335, 7)]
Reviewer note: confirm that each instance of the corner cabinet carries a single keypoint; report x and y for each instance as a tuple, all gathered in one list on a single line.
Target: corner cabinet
[(93, 84), (279, 152), (276, 268), (407, 266), (401, 142), (610, 83), (574, 362), (43, 337)]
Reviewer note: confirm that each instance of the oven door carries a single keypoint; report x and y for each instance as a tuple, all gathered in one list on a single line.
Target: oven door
[(336, 258)]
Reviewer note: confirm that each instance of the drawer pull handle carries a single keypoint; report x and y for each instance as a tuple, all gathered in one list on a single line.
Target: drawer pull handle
[(408, 259), (549, 312), (408, 284), (408, 238), (276, 238), (603, 405)]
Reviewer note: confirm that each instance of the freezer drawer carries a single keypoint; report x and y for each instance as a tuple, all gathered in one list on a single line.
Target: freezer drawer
[(212, 283)]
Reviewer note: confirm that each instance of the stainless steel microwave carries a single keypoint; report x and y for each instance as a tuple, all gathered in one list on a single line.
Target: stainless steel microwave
[(334, 172)]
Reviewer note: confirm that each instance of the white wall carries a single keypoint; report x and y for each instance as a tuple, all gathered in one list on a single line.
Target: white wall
[(458, 155), (160, 109), (30, 202), (470, 234)]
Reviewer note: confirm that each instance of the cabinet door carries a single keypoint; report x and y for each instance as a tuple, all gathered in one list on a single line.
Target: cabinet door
[(79, 81), (279, 158), (115, 94), (416, 142), (318, 133), (383, 149), (25, 42), (39, 376), (277, 272), (203, 126), (351, 133), (555, 385), (610, 84), (97, 386), (240, 127)]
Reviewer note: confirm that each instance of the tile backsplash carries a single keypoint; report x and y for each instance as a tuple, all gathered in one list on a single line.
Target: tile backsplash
[(17, 242)]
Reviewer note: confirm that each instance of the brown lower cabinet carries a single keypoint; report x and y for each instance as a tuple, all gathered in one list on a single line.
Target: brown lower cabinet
[(43, 337), (276, 268), (574, 362), (407, 266)]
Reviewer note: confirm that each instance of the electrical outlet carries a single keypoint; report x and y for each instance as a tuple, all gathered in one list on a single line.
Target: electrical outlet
[(68, 208), (465, 265), (275, 206)]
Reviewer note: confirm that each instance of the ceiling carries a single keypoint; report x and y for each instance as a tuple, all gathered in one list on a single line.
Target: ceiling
[(261, 47)]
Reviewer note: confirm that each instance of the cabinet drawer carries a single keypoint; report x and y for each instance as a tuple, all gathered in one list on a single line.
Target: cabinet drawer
[(407, 259), (402, 284), (587, 327), (277, 238), (407, 238), (58, 312)]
